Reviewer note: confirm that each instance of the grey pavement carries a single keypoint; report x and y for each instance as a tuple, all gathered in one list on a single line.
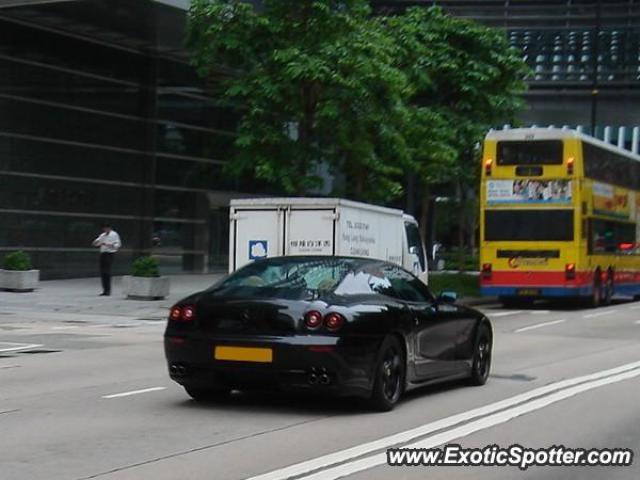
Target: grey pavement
[(78, 299)]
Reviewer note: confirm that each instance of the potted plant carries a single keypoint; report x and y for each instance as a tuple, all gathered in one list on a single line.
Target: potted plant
[(145, 282), (18, 274)]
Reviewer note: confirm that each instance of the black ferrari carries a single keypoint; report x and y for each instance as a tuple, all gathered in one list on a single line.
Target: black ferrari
[(347, 326)]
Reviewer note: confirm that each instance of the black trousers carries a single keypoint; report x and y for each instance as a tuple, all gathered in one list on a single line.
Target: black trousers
[(106, 260)]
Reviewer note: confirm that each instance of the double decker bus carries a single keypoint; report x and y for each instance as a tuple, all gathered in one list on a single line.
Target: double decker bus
[(560, 217)]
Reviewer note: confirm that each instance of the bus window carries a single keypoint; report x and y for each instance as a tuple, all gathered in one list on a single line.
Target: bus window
[(612, 237), (539, 152), (528, 225)]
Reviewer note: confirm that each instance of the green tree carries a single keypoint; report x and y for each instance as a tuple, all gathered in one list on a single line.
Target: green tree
[(315, 84), (465, 79)]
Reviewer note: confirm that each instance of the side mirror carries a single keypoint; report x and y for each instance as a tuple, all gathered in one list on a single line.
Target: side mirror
[(448, 297)]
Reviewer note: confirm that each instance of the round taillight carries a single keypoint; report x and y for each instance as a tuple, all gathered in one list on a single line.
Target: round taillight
[(333, 322), (187, 313), (175, 313), (313, 319)]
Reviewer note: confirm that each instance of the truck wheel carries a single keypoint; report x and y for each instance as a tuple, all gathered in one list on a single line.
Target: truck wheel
[(596, 293)]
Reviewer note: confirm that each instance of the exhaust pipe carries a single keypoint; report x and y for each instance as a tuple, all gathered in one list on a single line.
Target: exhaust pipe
[(313, 379), (324, 379), (178, 370)]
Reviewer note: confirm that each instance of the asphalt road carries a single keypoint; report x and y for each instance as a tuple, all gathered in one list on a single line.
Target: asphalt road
[(91, 399)]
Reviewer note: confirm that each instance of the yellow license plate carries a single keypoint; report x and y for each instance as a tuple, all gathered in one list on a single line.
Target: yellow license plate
[(244, 354)]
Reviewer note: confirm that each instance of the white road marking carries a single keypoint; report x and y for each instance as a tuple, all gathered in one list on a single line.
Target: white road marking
[(314, 465), (2, 367), (472, 427), (18, 347), (637, 322), (65, 327), (599, 314), (635, 307), (504, 314), (540, 325), (134, 392), (540, 312)]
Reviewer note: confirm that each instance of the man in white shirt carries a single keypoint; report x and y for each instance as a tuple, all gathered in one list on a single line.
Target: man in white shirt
[(109, 243)]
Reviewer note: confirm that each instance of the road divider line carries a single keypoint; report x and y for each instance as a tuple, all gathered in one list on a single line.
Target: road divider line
[(134, 392), (540, 325), (637, 322), (499, 418), (540, 312), (349, 454), (4, 367), (18, 347), (504, 314), (635, 307), (600, 314)]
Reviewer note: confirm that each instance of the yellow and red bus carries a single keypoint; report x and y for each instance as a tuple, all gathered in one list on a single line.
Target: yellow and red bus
[(560, 217)]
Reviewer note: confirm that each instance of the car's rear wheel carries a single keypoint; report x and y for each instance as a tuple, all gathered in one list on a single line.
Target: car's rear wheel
[(389, 376), (481, 357), (205, 394)]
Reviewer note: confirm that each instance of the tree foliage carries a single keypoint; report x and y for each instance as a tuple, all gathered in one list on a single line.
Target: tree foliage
[(325, 81), (315, 85)]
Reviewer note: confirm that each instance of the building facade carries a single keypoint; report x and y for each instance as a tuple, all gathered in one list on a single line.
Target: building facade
[(102, 119), (584, 56)]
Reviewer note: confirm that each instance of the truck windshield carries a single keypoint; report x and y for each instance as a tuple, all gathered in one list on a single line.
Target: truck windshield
[(415, 242), (528, 225)]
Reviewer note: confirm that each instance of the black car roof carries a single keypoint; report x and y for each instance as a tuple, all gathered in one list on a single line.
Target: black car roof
[(358, 261)]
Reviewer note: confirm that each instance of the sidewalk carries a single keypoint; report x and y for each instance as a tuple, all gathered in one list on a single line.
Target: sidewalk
[(78, 299)]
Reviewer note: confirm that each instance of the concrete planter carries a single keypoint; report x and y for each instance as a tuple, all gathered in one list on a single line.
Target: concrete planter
[(146, 288), (19, 280)]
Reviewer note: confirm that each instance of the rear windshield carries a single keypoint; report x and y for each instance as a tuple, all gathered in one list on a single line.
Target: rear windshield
[(532, 225), (289, 278), (533, 152)]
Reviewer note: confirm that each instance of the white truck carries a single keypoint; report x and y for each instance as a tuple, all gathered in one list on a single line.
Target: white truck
[(270, 227)]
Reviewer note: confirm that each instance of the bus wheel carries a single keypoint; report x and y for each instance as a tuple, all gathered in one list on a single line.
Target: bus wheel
[(607, 295), (596, 295)]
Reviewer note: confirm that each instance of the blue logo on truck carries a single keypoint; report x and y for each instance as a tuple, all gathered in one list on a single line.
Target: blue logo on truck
[(258, 249)]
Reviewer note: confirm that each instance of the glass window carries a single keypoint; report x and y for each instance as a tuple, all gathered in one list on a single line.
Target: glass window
[(408, 287), (370, 280), (609, 167), (534, 152), (415, 242), (287, 277), (607, 236), (46, 158), (72, 125), (528, 225), (27, 193)]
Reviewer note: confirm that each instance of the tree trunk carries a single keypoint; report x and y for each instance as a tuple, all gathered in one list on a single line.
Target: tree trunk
[(461, 224)]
